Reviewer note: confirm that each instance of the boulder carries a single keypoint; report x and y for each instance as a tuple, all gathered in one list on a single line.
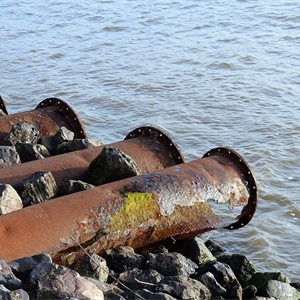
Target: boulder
[(123, 258), (93, 266), (170, 264), (9, 156), (52, 142), (281, 291), (195, 249), (73, 186), (9, 199), (241, 267), (7, 277), (22, 267), (19, 295), (249, 292), (38, 187), (140, 279), (4, 293), (63, 135), (29, 152), (214, 247), (111, 165), (22, 132), (260, 280), (76, 144), (183, 287), (209, 280), (57, 282), (227, 279)]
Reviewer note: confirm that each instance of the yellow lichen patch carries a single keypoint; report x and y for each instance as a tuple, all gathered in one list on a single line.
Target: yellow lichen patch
[(138, 208)]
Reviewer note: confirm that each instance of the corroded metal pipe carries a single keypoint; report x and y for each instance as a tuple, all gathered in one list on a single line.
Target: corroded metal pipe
[(149, 147), (49, 116), (173, 203)]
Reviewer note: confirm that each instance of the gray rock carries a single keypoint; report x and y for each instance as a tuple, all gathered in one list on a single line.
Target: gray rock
[(281, 291), (214, 247), (111, 165), (9, 156), (182, 287), (139, 279), (29, 152), (195, 249), (73, 186), (4, 293), (77, 144), (226, 278), (22, 267), (23, 133), (57, 282), (38, 187), (9, 199), (170, 264), (212, 284), (7, 277), (249, 292), (123, 258), (52, 142), (93, 266), (19, 295), (106, 287), (146, 294), (63, 135), (241, 267), (260, 280)]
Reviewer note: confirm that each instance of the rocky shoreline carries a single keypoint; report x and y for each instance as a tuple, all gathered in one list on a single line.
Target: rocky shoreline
[(187, 269)]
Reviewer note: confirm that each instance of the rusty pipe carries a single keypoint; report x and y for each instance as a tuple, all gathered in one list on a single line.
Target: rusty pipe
[(150, 148), (49, 116), (172, 203)]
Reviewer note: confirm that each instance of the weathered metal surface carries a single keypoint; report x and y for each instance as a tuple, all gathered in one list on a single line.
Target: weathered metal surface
[(172, 203), (150, 148), (49, 116), (3, 105)]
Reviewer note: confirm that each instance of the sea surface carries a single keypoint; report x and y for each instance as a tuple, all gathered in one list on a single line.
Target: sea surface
[(209, 73)]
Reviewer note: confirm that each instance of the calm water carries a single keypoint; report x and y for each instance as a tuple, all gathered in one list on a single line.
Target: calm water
[(210, 73)]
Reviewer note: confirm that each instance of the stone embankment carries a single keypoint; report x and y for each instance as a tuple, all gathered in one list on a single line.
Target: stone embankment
[(186, 269)]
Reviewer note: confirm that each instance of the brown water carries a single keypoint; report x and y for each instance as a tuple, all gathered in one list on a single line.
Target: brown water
[(210, 73)]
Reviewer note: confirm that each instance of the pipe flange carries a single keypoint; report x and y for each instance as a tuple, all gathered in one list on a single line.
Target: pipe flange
[(249, 179), (162, 137), (3, 105), (69, 113)]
